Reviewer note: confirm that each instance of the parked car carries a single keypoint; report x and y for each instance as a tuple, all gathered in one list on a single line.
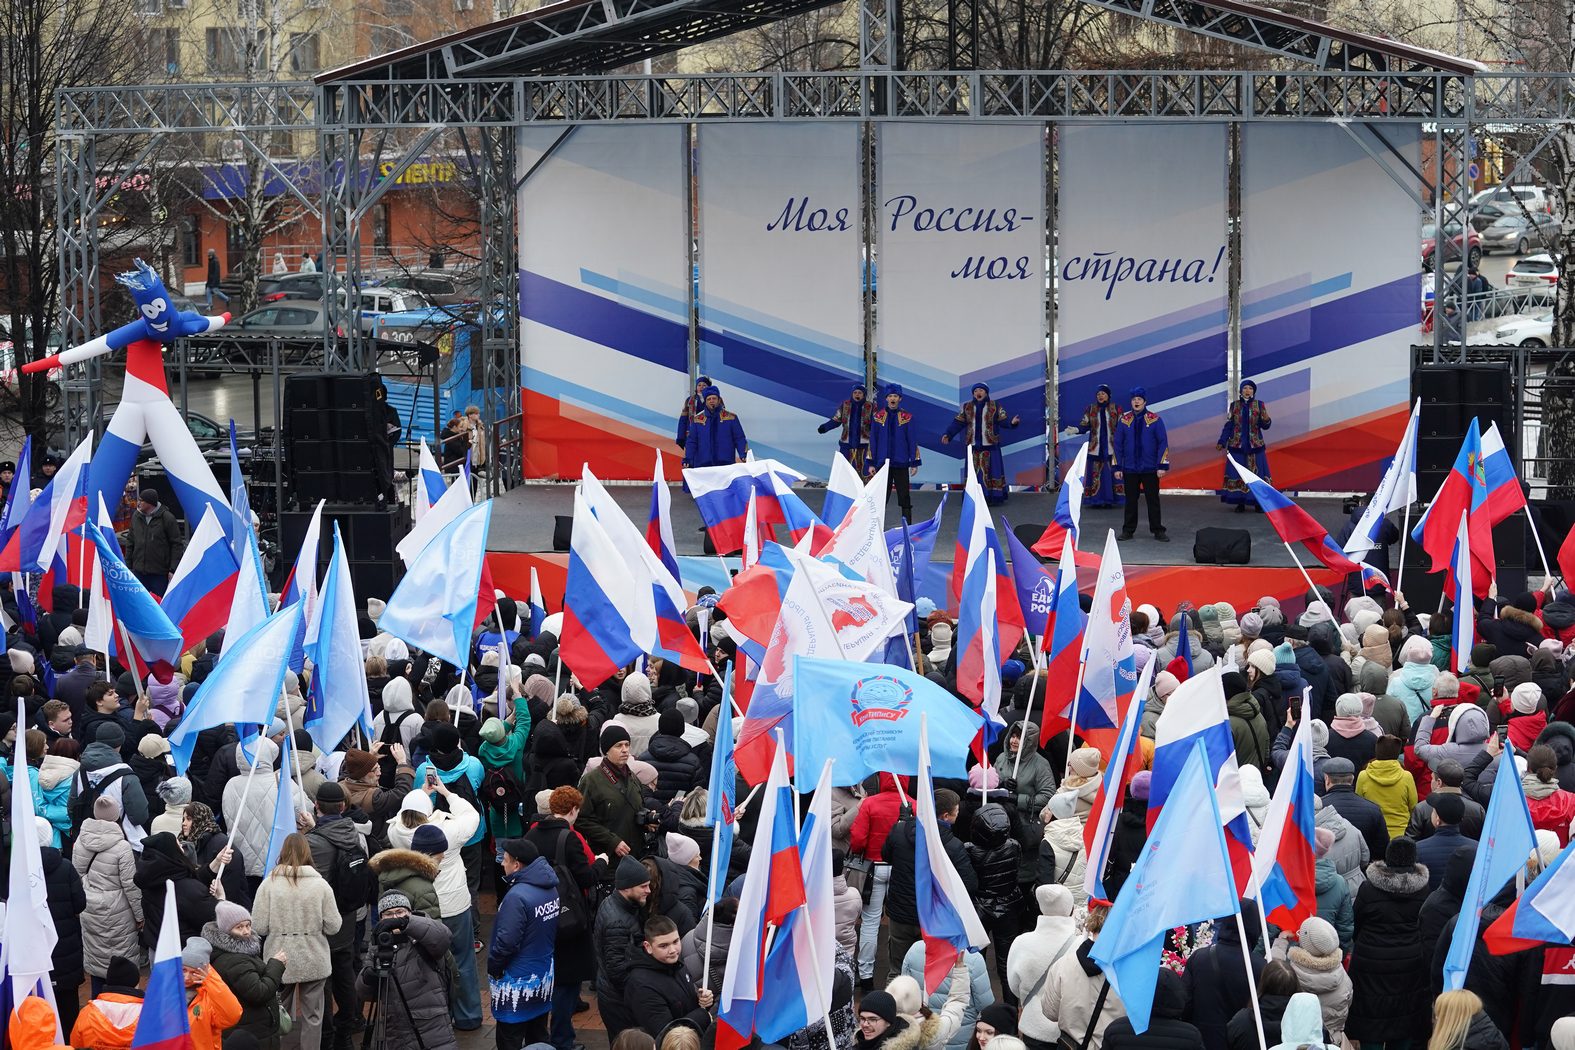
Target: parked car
[(1520, 330), (212, 437), (272, 288), (438, 286), (1535, 198), (1453, 234), (1486, 214), (296, 322), (1534, 271), (1512, 233), (372, 303), (296, 318)]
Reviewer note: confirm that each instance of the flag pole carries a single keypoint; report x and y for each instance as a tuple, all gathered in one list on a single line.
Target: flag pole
[(710, 910), (1312, 588), (1405, 534), (1547, 573), (246, 794), (131, 660), (1071, 729), (295, 752), (1256, 889), (1252, 982), (1028, 715)]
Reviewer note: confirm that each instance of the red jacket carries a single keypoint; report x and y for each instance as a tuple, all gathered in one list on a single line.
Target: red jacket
[(876, 817), (1523, 729), (1553, 813)]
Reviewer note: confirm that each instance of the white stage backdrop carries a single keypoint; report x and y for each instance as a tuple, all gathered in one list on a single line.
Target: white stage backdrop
[(961, 282), (781, 321)]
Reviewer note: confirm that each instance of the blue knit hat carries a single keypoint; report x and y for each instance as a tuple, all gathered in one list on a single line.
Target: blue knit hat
[(1137, 391)]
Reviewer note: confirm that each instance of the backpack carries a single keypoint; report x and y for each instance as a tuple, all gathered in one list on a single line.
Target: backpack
[(81, 806), (574, 913), (351, 878), (500, 790), (391, 734)]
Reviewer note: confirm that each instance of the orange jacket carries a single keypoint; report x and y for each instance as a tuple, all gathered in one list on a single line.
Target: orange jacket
[(108, 1022), (33, 1025), (213, 1011)]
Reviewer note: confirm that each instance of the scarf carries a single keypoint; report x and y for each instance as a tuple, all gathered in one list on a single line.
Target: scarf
[(1348, 726), (637, 708), (202, 822), (1535, 788)]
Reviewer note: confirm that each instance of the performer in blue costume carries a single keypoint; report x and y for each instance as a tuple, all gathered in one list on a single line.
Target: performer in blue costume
[(715, 436), (1242, 437), (692, 404), (894, 441), (853, 416), (982, 419), (1099, 423)]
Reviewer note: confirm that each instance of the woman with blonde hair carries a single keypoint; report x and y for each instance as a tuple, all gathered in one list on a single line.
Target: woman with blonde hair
[(294, 913), (1459, 1023)]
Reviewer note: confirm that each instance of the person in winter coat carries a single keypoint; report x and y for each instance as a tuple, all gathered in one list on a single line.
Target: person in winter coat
[(995, 856), (1552, 808), (616, 937), (174, 795), (872, 824), (56, 777), (1446, 781), (110, 1021), (658, 990), (399, 715), (1028, 792), (1248, 727), (295, 913), (339, 855), (108, 868), (1413, 683), (946, 1019), (1348, 853), (255, 981), (102, 760), (678, 769), (1217, 978), (67, 901), (1276, 984), (1164, 684), (1440, 908), (1459, 1023), (614, 815), (1349, 736), (249, 828), (417, 1015), (443, 835), (1028, 962), (1256, 798), (902, 904), (553, 763), (1131, 832), (411, 873), (636, 713), (1388, 967), (847, 904), (1467, 733), (502, 751), (520, 956), (1077, 1000), (1316, 957), (1062, 854), (211, 1008), (721, 937), (361, 778), (1517, 630), (1301, 1026), (1524, 711), (1366, 816), (1389, 785), (555, 837), (1166, 1028), (1335, 899), (1447, 811), (164, 860)]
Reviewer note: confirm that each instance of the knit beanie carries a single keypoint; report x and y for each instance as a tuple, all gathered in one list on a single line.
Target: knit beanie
[(106, 808), (906, 994), (630, 873), (1251, 625), (1000, 1017), (670, 723), (1348, 706), (444, 737), (1285, 655), (357, 764), (1085, 762), (613, 734), (176, 791), (1547, 846), (391, 900), (1323, 841), (636, 690), (681, 849), (122, 973), (196, 954), (689, 709), (1165, 683), (882, 1005), (492, 731), (1320, 733), (1318, 937), (1482, 654), (1263, 661), (1525, 698), (227, 915), (416, 802), (429, 839), (110, 734), (1141, 782)]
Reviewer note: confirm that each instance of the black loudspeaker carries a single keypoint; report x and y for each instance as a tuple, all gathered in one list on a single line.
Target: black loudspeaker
[(370, 535), (1028, 535), (1216, 546), (1512, 554), (562, 527), (334, 443), (1451, 396)]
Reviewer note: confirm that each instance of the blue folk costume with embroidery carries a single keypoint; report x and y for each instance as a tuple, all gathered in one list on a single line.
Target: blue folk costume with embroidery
[(1142, 445), (982, 422), (716, 438), (1242, 437), (692, 404), (854, 419), (1099, 422), (893, 438)]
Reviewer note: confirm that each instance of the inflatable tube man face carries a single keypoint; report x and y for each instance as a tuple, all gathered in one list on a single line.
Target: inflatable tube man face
[(160, 320)]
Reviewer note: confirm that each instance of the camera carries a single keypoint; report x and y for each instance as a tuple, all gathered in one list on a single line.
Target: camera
[(387, 938)]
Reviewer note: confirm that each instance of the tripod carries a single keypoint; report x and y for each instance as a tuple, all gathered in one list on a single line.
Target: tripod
[(375, 1036)]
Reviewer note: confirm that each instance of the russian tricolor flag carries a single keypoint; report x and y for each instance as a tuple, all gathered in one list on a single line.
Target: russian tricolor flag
[(33, 545), (1196, 713), (947, 919), (1099, 831), (1463, 635), (796, 515), (538, 607), (163, 1023), (430, 484), (1109, 664), (1068, 508), (1544, 914), (721, 495), (1284, 861), (20, 496), (975, 517), (1464, 491), (203, 588), (1063, 647), (843, 488), (1293, 524), (659, 526), (603, 608)]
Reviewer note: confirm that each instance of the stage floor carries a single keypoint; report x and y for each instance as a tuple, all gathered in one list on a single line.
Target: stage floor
[(522, 522)]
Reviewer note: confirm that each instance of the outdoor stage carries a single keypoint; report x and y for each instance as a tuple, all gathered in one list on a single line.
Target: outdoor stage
[(1162, 574)]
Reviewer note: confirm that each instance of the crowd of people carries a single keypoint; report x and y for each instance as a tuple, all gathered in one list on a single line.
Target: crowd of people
[(466, 862)]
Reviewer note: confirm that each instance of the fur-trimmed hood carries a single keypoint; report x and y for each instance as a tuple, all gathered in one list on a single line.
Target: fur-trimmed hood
[(1560, 736), (394, 859), (918, 1034), (1521, 616), (1399, 883)]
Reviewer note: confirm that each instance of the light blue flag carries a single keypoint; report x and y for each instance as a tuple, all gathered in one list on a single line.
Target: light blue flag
[(283, 809), (1183, 876), (434, 606), (1507, 840), (866, 717), (338, 697), (719, 801), (244, 686), (240, 501)]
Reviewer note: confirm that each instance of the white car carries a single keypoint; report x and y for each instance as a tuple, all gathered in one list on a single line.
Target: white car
[(1518, 330), (1535, 198), (1534, 271)]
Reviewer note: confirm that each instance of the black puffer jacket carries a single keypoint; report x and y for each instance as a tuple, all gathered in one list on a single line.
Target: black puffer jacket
[(995, 855), (1166, 1029), (1217, 980), (678, 768), (657, 994), (67, 902), (422, 1017), (1440, 907), (1389, 1000), (902, 894)]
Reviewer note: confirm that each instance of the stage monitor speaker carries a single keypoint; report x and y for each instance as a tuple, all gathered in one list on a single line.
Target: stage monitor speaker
[(1216, 546), (1028, 535), (562, 528), (1452, 395), (332, 426)]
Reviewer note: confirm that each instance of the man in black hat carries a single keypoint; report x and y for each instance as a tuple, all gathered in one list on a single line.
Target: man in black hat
[(46, 471), (615, 814), (619, 926), (340, 858), (154, 543), (7, 475)]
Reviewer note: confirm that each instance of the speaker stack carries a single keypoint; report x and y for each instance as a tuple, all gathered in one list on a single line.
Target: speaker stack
[(370, 535), (334, 445)]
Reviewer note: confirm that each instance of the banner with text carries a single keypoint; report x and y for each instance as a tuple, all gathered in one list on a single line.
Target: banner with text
[(1143, 278), (1329, 308), (961, 282), (781, 311), (604, 298)]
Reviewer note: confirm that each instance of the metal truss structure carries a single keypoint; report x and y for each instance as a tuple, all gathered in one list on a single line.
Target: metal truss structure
[(482, 85)]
